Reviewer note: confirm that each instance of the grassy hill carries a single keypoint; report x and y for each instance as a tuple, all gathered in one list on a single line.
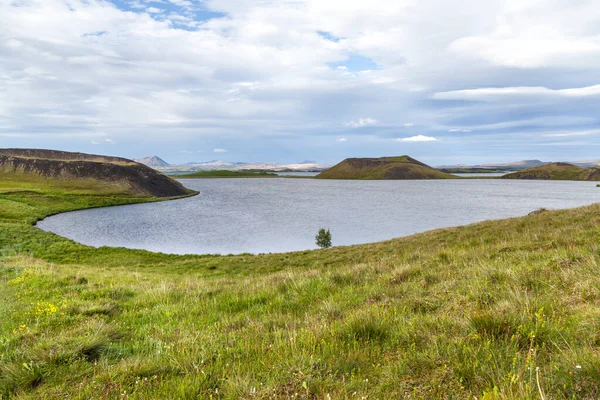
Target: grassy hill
[(557, 171), (222, 173), (403, 167), (495, 310), (83, 173)]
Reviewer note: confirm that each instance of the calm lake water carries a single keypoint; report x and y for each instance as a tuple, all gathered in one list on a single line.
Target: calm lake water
[(482, 174), (278, 215)]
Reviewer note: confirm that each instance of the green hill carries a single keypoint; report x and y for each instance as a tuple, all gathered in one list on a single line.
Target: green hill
[(83, 173), (403, 167), (557, 171)]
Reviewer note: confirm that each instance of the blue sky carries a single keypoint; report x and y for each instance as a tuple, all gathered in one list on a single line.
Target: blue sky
[(291, 80)]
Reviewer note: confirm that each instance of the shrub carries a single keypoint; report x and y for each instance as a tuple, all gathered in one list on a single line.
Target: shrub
[(323, 238)]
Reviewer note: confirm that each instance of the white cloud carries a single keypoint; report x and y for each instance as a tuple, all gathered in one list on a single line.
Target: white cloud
[(408, 124), (362, 122), (341, 140), (495, 94), (103, 141), (573, 133), (528, 53), (459, 130), (418, 138), (220, 151)]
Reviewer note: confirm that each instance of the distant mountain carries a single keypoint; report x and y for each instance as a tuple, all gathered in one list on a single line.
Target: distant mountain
[(557, 171), (153, 161), (587, 164), (403, 167), (238, 166), (518, 165)]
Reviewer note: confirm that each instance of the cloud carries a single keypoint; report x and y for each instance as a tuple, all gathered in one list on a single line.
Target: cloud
[(459, 130), (220, 151), (103, 141), (362, 122), (507, 93), (527, 53), (180, 73), (418, 138), (573, 133), (341, 140), (153, 10)]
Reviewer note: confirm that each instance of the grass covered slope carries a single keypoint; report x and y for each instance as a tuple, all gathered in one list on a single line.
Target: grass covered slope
[(557, 171), (83, 173), (403, 167), (223, 173), (491, 310)]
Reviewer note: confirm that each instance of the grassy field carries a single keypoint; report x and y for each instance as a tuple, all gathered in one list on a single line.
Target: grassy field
[(497, 310), (222, 173)]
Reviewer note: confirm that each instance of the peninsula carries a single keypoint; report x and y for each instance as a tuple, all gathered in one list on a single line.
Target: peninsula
[(84, 173), (557, 172)]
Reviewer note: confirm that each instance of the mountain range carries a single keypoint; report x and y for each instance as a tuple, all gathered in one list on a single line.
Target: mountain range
[(154, 162), (518, 165)]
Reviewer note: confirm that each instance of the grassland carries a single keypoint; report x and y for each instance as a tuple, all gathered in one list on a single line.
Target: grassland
[(557, 171), (402, 167), (222, 173), (496, 310)]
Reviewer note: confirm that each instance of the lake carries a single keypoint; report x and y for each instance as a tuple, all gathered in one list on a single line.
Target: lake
[(277, 215)]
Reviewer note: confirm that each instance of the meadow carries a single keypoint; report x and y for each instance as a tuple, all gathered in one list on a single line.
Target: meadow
[(495, 310)]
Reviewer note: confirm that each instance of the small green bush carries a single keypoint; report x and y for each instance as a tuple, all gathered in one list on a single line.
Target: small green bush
[(323, 238)]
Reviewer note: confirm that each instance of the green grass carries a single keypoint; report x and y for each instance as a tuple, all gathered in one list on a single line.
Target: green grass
[(90, 186), (227, 174), (460, 313)]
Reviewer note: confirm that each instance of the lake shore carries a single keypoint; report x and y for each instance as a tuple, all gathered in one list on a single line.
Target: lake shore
[(284, 215)]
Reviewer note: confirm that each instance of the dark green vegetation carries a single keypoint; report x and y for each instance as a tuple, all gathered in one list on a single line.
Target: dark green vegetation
[(403, 167), (222, 173), (487, 311), (83, 173), (557, 171), (323, 238)]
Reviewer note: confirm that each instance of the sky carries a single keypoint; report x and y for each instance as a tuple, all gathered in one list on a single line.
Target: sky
[(447, 82)]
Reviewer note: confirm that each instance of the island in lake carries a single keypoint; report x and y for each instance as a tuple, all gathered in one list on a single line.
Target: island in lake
[(402, 167)]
